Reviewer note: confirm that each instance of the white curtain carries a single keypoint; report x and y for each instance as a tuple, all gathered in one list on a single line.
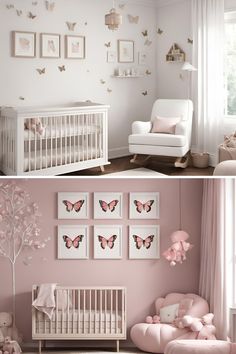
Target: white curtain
[(217, 240), (208, 81)]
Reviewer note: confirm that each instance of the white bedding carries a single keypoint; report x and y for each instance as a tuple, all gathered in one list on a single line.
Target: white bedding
[(82, 315)]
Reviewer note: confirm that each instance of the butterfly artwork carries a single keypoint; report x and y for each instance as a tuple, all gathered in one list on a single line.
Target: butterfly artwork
[(21, 98), (148, 72), (71, 25), (143, 207), (108, 206), (133, 19), (107, 242), (41, 71), (108, 44), (102, 82), (19, 12), (121, 6), (160, 31), (147, 42), (145, 93), (140, 242), (69, 243), (73, 206), (61, 68), (109, 90), (145, 33), (9, 6), (31, 16), (50, 5), (190, 41)]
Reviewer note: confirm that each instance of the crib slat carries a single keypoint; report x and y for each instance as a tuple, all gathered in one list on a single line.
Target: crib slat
[(89, 311), (116, 311), (35, 152), (56, 137), (100, 315), (111, 310), (51, 144), (45, 121), (95, 311), (41, 151), (61, 138), (84, 306), (78, 326), (56, 311)]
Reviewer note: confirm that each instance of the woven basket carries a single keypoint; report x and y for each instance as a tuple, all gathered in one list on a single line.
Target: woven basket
[(200, 160)]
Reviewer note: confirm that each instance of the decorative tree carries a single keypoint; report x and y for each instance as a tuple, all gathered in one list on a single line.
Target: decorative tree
[(19, 220)]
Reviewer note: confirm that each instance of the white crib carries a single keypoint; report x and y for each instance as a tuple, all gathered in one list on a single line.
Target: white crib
[(74, 138), (82, 313)]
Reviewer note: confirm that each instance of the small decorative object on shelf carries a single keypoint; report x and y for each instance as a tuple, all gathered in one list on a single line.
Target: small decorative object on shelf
[(175, 54), (127, 73)]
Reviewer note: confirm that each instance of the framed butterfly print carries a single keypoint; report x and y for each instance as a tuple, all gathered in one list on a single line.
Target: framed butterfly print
[(125, 51), (50, 45), (144, 242), (23, 44), (108, 242), (73, 242), (73, 205), (144, 205), (75, 47), (108, 205)]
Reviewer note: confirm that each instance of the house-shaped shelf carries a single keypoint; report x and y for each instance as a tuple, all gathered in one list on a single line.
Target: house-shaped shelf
[(175, 54)]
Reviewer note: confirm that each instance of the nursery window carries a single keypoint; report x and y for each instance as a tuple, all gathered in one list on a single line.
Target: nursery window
[(230, 70)]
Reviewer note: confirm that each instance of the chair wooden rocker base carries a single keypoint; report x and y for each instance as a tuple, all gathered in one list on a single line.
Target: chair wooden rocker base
[(180, 162)]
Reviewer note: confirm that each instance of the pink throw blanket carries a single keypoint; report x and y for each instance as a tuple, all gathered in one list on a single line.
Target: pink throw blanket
[(45, 301)]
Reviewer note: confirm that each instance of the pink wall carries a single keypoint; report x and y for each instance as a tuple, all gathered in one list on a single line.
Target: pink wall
[(145, 280)]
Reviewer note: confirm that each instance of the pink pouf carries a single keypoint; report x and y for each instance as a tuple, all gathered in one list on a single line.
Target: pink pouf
[(200, 347)]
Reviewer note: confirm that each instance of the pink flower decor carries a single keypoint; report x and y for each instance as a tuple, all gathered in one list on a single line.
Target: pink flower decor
[(177, 252)]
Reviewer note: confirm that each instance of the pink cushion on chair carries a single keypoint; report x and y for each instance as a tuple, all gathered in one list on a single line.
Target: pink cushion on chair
[(198, 347), (164, 125)]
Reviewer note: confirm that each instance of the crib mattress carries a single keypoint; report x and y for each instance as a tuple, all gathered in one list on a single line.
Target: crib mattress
[(76, 315)]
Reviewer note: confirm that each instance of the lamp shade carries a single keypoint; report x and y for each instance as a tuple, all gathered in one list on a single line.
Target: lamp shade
[(188, 67), (178, 236), (113, 20)]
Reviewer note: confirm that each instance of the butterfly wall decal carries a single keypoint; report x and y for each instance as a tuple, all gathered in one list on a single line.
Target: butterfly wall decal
[(41, 71), (133, 19), (104, 242), (146, 207), (19, 12), (140, 242), (73, 206), (31, 16), (102, 81), (121, 6), (21, 98), (109, 90), (62, 68), (159, 31), (10, 6), (71, 25), (108, 44), (145, 93), (50, 5), (147, 42), (148, 72), (72, 243), (108, 206), (190, 41), (145, 33), (34, 3)]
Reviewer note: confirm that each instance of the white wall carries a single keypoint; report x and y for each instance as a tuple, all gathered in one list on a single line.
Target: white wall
[(81, 81)]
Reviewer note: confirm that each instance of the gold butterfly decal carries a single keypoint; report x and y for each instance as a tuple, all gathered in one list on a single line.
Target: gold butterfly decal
[(190, 41), (71, 25), (62, 68), (148, 72), (148, 43), (181, 77), (49, 5), (109, 90), (30, 15), (34, 3), (41, 71), (108, 44), (159, 31), (19, 12), (144, 93), (145, 33), (10, 6), (21, 98), (121, 6), (86, 23), (133, 19), (102, 81)]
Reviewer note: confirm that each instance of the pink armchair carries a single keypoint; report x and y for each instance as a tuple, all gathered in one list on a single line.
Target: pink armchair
[(154, 337)]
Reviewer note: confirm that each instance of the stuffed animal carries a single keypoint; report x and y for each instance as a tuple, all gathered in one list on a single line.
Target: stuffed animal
[(153, 320), (10, 347), (7, 329), (35, 125), (177, 252), (203, 328)]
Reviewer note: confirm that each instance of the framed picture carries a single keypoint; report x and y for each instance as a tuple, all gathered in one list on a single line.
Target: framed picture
[(125, 51), (111, 57), (23, 44), (108, 205), (50, 45), (144, 242), (108, 242), (73, 242), (144, 205), (142, 58), (73, 205), (75, 47)]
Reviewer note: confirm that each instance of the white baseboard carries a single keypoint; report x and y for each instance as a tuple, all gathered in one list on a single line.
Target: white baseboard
[(118, 152)]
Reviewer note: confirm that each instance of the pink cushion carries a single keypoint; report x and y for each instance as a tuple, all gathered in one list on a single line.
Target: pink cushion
[(184, 306), (164, 125), (198, 347)]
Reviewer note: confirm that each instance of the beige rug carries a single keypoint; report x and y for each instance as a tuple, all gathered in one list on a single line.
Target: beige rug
[(137, 172)]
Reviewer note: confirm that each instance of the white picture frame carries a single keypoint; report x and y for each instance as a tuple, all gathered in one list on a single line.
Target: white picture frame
[(111, 56), (50, 45), (138, 248), (148, 207), (74, 47), (73, 242), (125, 51), (107, 242), (108, 205), (73, 205), (23, 44), (142, 58)]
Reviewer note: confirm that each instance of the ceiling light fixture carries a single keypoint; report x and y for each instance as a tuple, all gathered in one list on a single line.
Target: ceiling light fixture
[(113, 20)]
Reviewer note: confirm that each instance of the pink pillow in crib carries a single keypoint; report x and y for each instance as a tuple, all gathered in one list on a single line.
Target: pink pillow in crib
[(184, 306), (165, 125)]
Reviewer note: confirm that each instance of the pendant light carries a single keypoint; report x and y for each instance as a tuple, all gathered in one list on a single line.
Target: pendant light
[(113, 20)]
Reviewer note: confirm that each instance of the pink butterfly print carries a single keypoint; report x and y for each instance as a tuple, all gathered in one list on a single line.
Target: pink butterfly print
[(143, 207), (108, 206), (75, 243), (76, 206), (107, 242), (141, 242)]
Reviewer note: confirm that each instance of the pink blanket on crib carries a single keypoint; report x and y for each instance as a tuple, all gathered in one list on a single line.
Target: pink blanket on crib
[(45, 301)]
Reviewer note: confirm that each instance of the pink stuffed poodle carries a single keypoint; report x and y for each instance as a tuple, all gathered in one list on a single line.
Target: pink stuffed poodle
[(153, 319), (177, 252), (201, 328), (10, 347)]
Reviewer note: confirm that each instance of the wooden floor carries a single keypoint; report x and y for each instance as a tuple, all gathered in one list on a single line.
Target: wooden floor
[(159, 164)]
